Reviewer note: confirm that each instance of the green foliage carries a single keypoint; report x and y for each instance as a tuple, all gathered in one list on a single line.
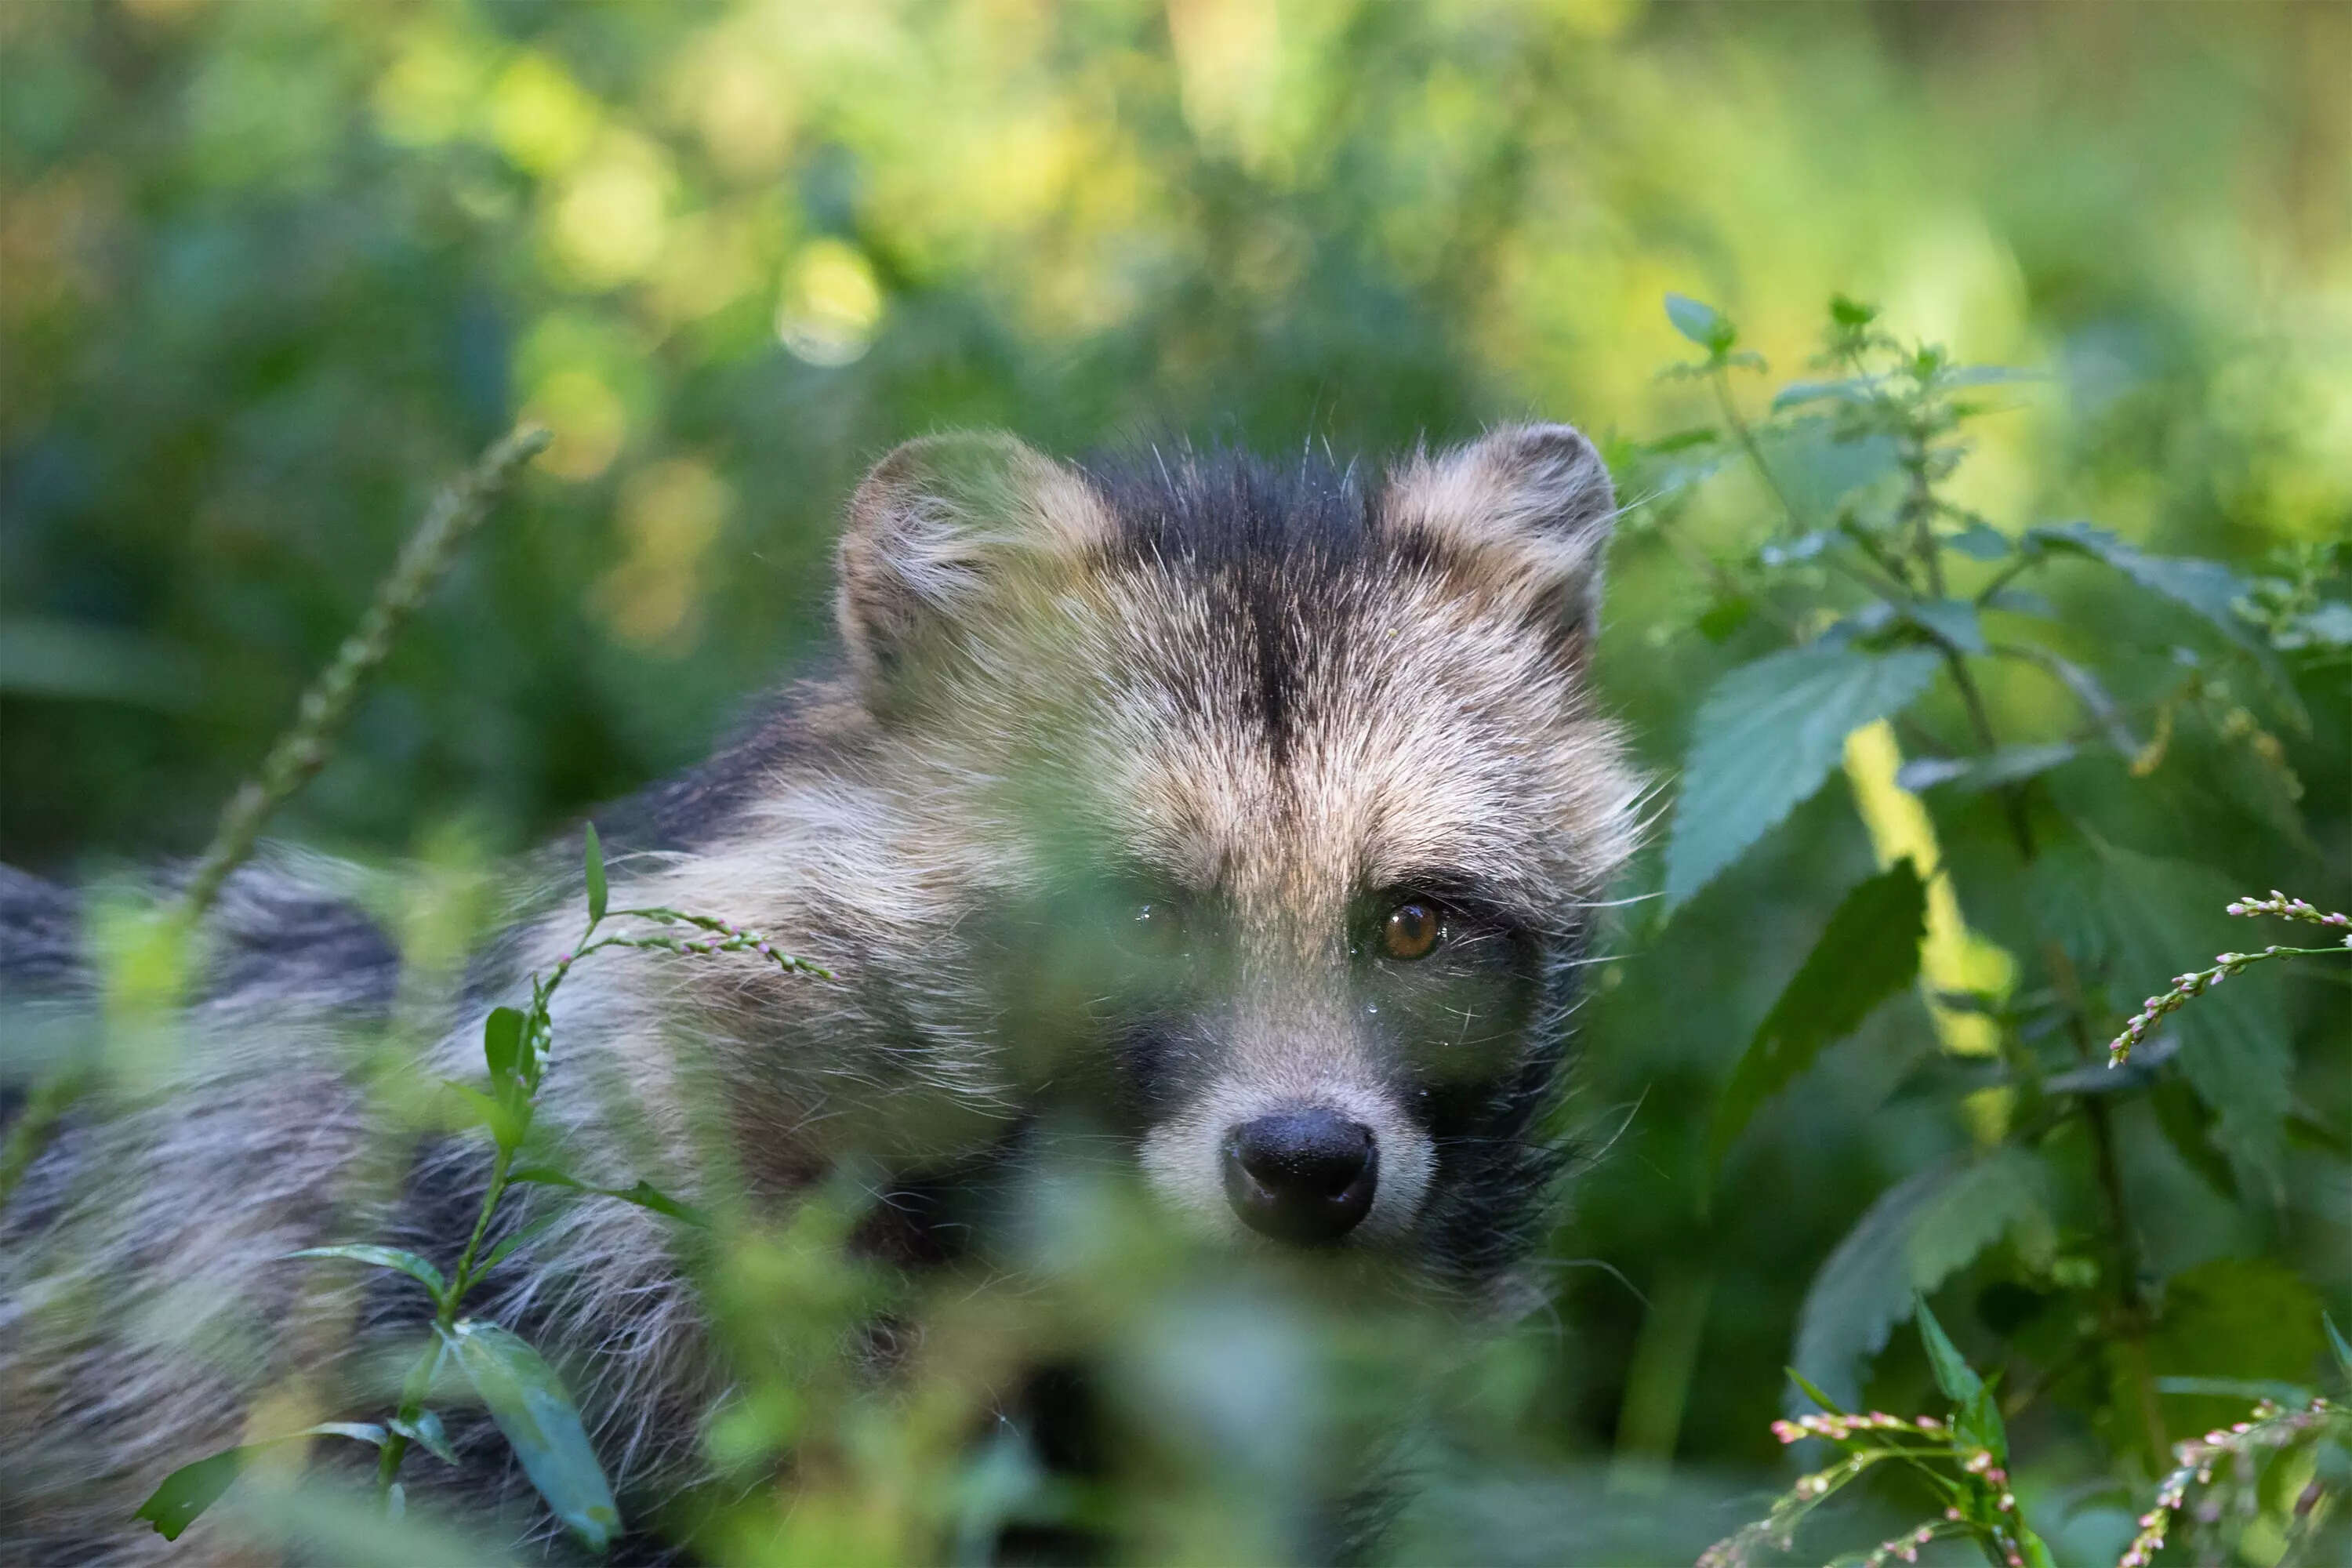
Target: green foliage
[(1868, 952), (1766, 737), (1914, 1237), (537, 1417), (273, 270)]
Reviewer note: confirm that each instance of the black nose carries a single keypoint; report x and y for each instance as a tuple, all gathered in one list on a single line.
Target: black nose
[(1301, 1176)]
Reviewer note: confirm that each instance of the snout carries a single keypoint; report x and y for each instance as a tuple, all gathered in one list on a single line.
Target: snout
[(1306, 1177)]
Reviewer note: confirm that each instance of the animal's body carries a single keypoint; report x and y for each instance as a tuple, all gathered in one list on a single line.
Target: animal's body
[(1258, 816)]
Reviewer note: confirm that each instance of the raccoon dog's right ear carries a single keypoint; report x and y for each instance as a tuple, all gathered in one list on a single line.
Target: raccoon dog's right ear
[(936, 524), (1522, 515)]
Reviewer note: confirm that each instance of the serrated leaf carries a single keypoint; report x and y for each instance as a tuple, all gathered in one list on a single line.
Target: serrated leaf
[(1952, 622), (1917, 1235), (2206, 588), (594, 856), (187, 1491), (541, 1422), (1980, 542), (1854, 389), (2130, 922), (1968, 775), (427, 1433), (408, 1263), (1815, 465), (1986, 375), (1765, 738), (2184, 1120), (1702, 324), (1867, 952), (1958, 1380), (503, 1043)]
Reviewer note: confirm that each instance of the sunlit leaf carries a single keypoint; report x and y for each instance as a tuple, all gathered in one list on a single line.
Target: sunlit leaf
[(1867, 952), (1702, 324), (187, 1491), (532, 1406), (408, 1263), (1907, 1243), (1765, 738)]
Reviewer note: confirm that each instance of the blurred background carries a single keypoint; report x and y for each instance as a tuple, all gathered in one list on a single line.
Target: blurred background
[(270, 269)]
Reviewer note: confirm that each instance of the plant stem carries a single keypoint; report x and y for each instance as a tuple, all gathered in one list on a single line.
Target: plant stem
[(1741, 432), (2130, 1316), (304, 749)]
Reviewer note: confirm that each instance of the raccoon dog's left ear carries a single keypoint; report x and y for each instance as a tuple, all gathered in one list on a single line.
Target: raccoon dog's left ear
[(936, 525), (1523, 515)]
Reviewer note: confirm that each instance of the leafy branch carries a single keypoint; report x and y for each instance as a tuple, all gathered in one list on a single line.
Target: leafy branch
[(523, 1392)]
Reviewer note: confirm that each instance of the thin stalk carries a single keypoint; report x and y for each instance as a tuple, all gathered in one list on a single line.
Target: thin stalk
[(1741, 432), (304, 749), (2130, 1316)]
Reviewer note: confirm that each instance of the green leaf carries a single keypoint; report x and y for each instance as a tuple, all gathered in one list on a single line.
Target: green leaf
[(1916, 1236), (1765, 738), (2206, 588), (1952, 622), (645, 1194), (1968, 775), (187, 1491), (1812, 1390), (499, 1254), (1815, 464), (427, 1433), (595, 858), (366, 1432), (2186, 1121), (1980, 542), (2132, 922), (407, 1263), (1855, 389), (1702, 324), (1850, 312), (1867, 952), (2336, 1342), (2250, 1319), (503, 1043), (531, 1407), (1958, 1380)]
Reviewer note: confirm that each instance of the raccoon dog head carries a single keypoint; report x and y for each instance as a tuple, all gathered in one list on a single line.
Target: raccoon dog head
[(1276, 804)]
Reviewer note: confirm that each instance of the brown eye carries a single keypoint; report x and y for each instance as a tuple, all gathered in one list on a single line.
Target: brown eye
[(1411, 932), (1158, 927)]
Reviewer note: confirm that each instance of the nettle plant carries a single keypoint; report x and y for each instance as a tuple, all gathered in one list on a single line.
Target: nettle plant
[(1898, 610), (510, 1378)]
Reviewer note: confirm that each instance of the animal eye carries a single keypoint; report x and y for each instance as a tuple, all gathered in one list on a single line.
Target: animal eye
[(1410, 930), (1157, 926)]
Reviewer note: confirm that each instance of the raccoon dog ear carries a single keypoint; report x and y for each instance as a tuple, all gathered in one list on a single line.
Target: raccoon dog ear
[(939, 520), (1523, 515)]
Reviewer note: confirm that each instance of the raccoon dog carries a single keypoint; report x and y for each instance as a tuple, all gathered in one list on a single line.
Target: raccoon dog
[(1260, 816)]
